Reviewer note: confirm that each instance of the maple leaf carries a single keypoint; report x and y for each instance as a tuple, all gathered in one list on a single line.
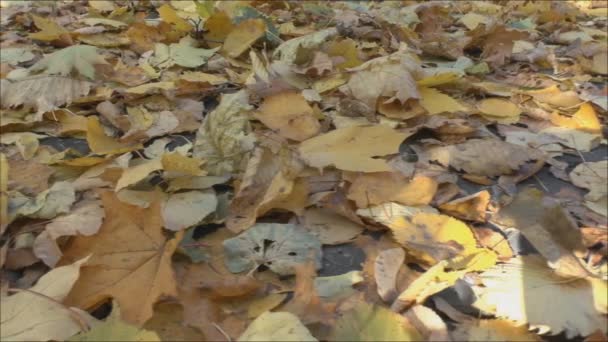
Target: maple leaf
[(81, 58), (130, 255)]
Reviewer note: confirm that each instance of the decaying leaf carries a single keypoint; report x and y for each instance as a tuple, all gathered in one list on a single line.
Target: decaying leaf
[(130, 255), (278, 246), (484, 157), (369, 189), (472, 207), (591, 176), (186, 209), (329, 227), (81, 58), (37, 314), (243, 36), (386, 267), (353, 148), (222, 140)]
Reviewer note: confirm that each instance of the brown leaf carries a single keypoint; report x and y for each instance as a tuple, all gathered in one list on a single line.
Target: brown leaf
[(369, 189), (129, 255), (471, 208)]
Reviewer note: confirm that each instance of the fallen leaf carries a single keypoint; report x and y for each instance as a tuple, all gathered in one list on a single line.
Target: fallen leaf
[(499, 108), (4, 170), (137, 173), (276, 326), (138, 262), (259, 306), (329, 227), (386, 267), (115, 329), (576, 139), (100, 143), (37, 314), (182, 165), (168, 324), (352, 148), (290, 115), (278, 246), (585, 119), (338, 286), (186, 209), (591, 176), (169, 15), (288, 51), (50, 31), (81, 58), (218, 27), (493, 330), (484, 157), (435, 102), (368, 322), (554, 96), (369, 189), (471, 208), (182, 54), (14, 56), (516, 290), (242, 36), (498, 44), (223, 138)]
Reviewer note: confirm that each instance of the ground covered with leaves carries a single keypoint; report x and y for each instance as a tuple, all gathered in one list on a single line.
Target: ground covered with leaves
[(303, 171)]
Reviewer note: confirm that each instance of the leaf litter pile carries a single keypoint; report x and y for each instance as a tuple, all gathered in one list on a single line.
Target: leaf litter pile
[(303, 171)]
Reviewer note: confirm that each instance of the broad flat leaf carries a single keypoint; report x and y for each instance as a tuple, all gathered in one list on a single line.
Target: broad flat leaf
[(43, 93), (280, 247), (520, 289), (137, 173), (81, 58), (288, 51), (130, 255), (4, 169), (29, 317), (50, 31), (368, 322), (276, 326), (182, 54), (14, 56), (368, 189), (591, 176), (352, 148), (391, 78), (329, 227), (585, 119), (243, 36), (115, 329), (290, 115), (339, 286), (386, 267), (179, 164), (496, 107), (100, 143), (223, 138), (248, 12), (472, 207), (435, 102), (185, 209), (554, 96), (168, 323), (574, 138), (433, 237), (485, 157), (169, 15)]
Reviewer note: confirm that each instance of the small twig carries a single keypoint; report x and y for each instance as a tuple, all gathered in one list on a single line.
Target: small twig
[(221, 331)]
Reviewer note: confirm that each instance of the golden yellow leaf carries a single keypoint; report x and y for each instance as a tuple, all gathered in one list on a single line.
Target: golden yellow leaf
[(105, 39), (436, 102), (102, 5), (434, 237), (554, 96), (472, 207), (585, 119), (290, 115), (243, 36), (179, 163), (499, 108), (130, 255), (438, 79), (136, 173), (50, 31), (100, 143), (352, 148), (369, 189), (218, 28), (169, 15)]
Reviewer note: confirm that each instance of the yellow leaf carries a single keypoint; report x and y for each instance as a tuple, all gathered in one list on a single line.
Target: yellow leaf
[(102, 5), (290, 115), (499, 108), (348, 50), (329, 83), (353, 148), (600, 63), (169, 15), (436, 102), (151, 88), (494, 330), (471, 20), (201, 77), (438, 79), (218, 28), (49, 30), (243, 36), (370, 189), (136, 173), (182, 164), (585, 119), (276, 326), (434, 237), (553, 96), (106, 39), (472, 207), (100, 143)]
